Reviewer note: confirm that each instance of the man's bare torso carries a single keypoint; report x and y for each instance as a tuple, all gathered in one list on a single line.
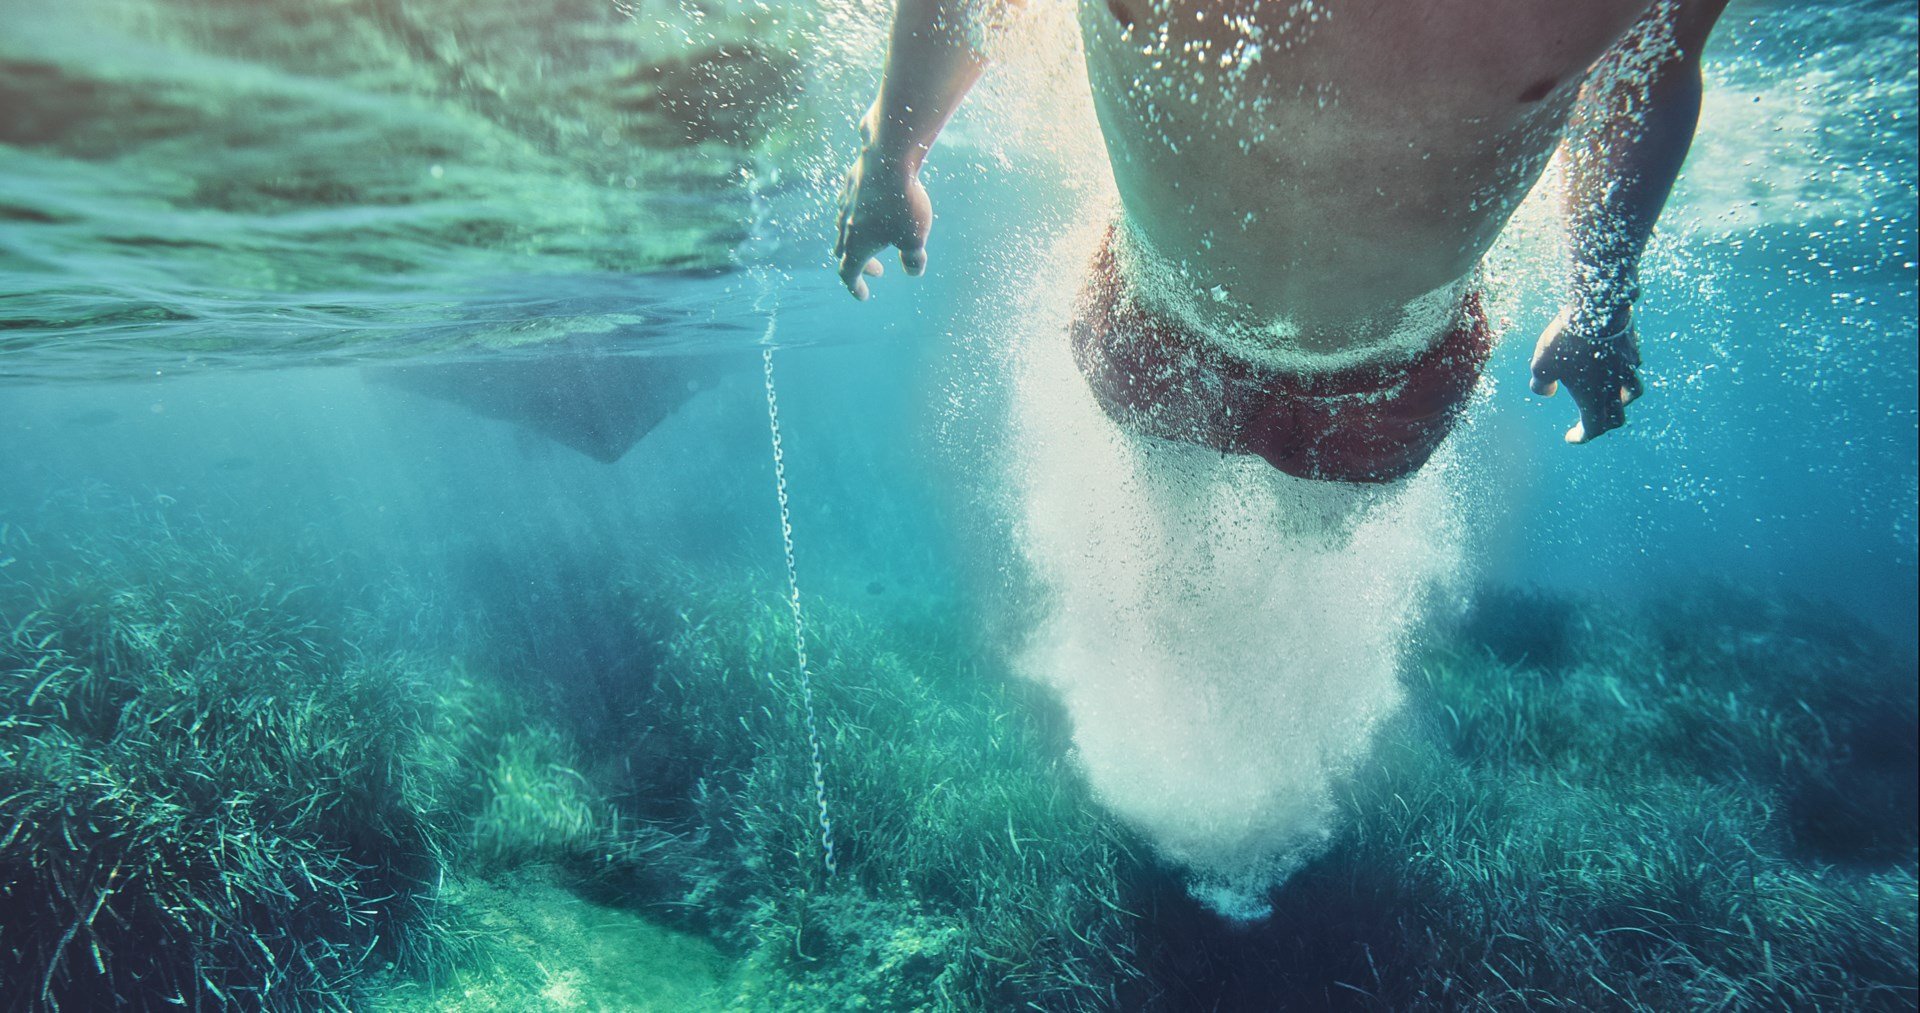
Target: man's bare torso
[(1324, 163)]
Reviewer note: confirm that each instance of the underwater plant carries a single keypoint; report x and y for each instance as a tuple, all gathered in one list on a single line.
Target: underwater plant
[(213, 795), (220, 788), (1608, 827), (1604, 828), (974, 872)]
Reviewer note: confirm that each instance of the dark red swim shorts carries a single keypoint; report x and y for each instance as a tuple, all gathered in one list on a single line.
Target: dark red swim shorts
[(1367, 423)]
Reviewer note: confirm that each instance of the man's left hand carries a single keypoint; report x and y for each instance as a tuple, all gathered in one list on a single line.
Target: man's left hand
[(1601, 371)]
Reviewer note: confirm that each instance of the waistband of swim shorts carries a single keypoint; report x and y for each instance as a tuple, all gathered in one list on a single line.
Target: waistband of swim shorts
[(1164, 287)]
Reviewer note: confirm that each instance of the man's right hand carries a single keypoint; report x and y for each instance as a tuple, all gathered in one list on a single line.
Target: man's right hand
[(882, 204)]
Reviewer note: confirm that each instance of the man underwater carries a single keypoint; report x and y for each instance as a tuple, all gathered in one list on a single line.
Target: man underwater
[(1308, 189)]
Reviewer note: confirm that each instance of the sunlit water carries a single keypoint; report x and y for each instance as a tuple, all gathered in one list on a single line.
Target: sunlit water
[(223, 225)]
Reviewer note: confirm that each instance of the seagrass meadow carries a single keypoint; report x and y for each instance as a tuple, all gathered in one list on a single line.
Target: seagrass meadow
[(227, 786), (462, 550)]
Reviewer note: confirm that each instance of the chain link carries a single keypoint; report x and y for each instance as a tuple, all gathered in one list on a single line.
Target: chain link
[(793, 603)]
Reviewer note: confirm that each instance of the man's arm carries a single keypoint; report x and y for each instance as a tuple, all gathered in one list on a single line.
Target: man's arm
[(1625, 144), (933, 59)]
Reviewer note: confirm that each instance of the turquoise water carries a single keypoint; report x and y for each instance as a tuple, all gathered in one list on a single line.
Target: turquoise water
[(450, 316)]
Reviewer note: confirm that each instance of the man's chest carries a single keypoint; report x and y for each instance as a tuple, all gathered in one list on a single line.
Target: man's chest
[(1460, 57)]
